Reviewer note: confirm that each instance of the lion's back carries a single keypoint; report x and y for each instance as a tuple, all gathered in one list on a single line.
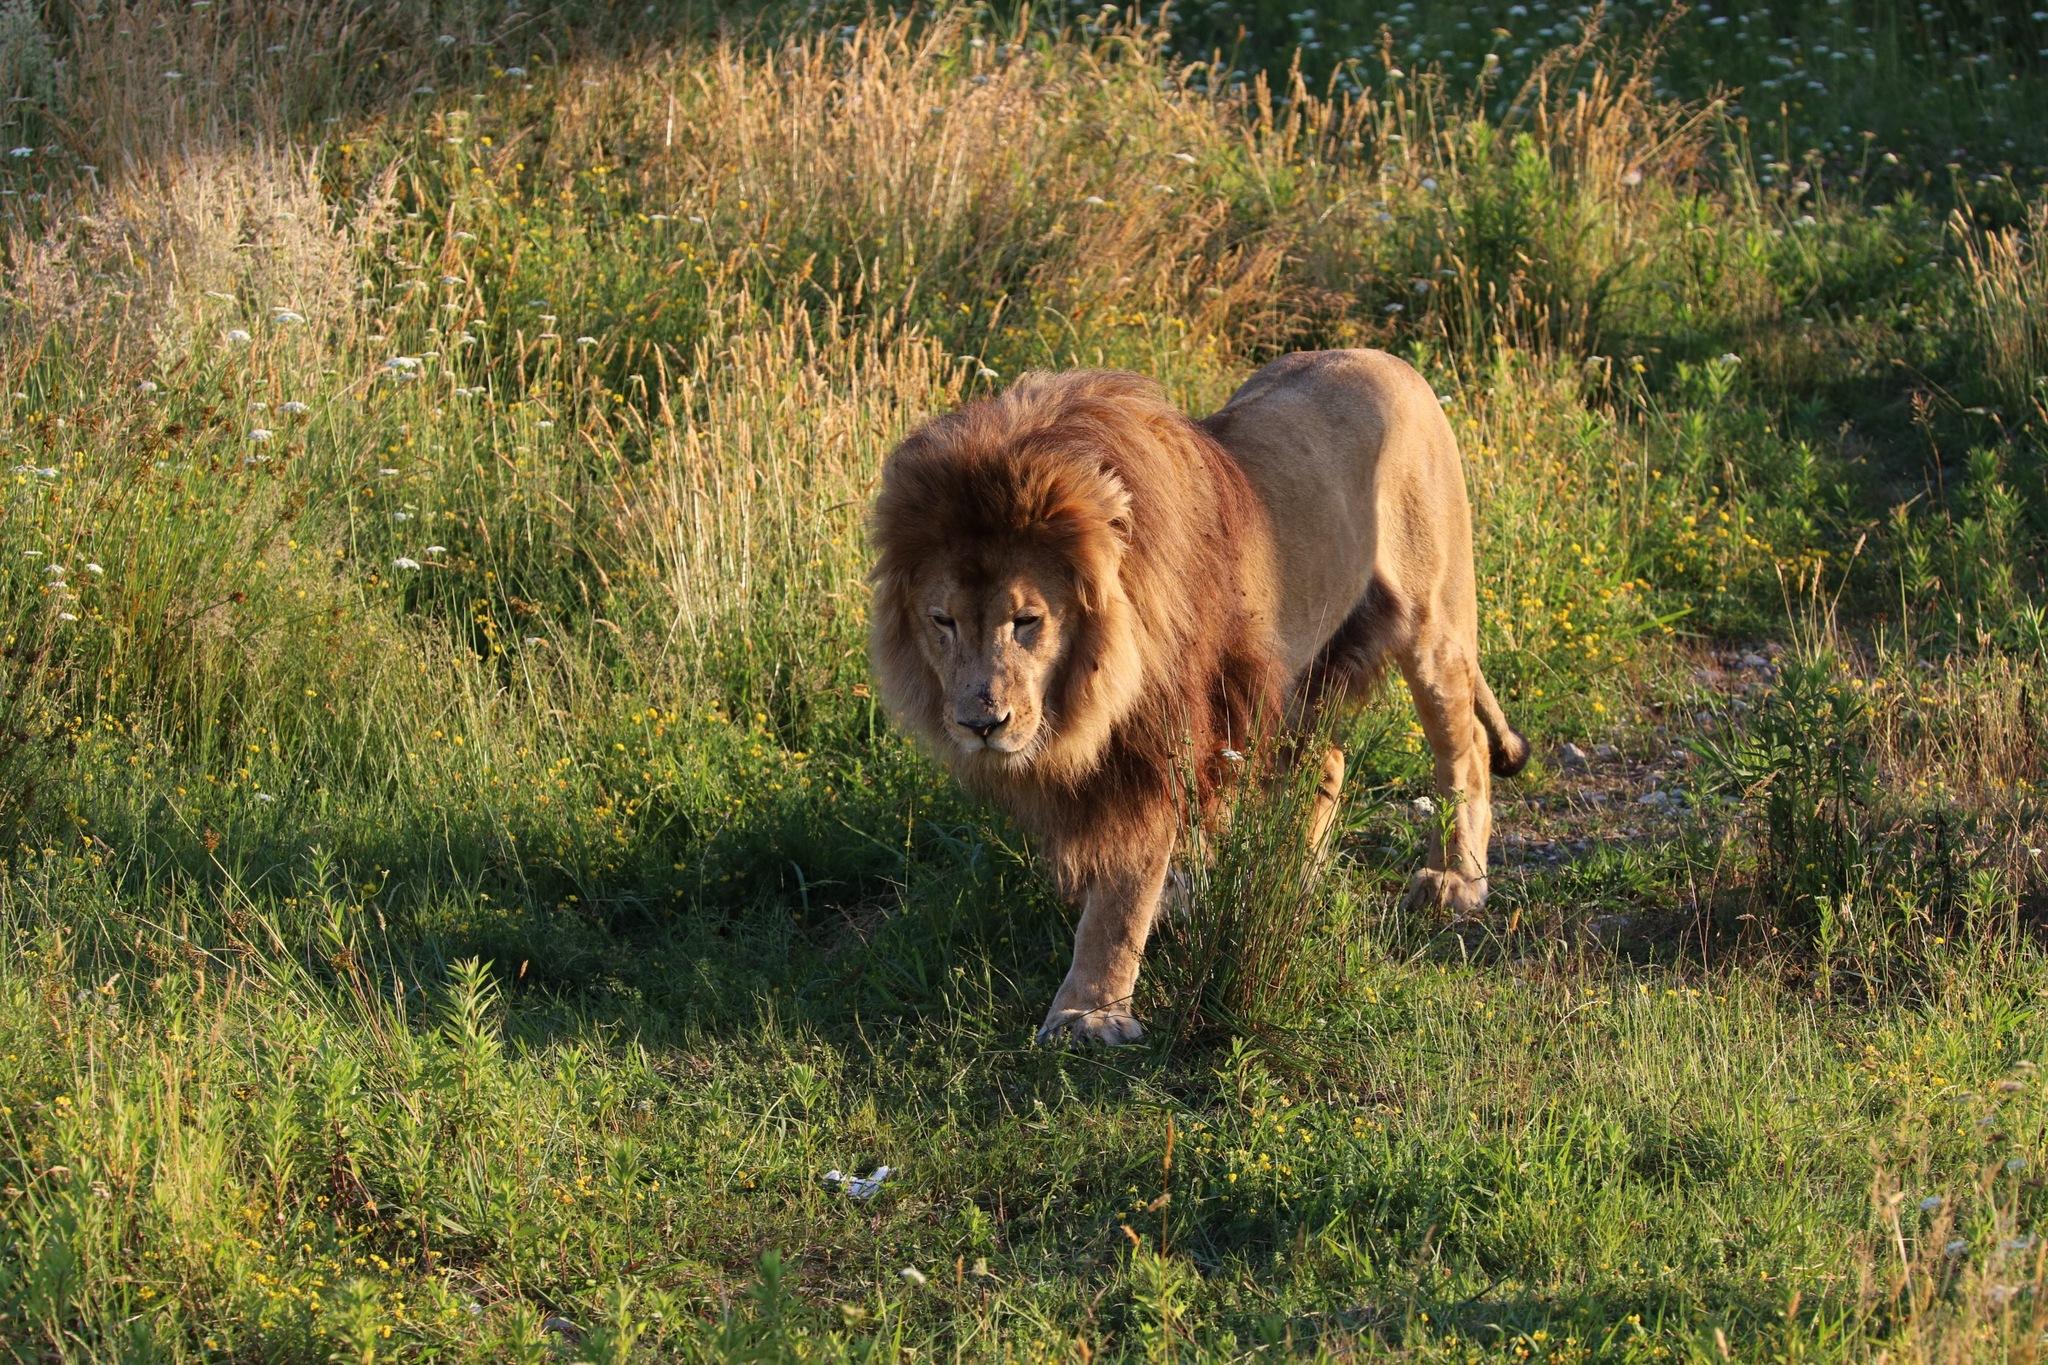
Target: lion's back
[(1359, 473)]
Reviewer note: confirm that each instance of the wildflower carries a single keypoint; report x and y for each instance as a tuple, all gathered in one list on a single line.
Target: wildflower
[(1096, 200), (1730, 358), (22, 151), (285, 317), (95, 570), (586, 341), (1930, 1203), (237, 336), (403, 563), (1184, 157), (174, 75), (451, 279), (56, 571), (517, 73), (1393, 308), (1233, 756), (1423, 807), (259, 434), (533, 640), (146, 386), (401, 516), (265, 797), (387, 472), (860, 1187), (66, 616), (437, 549), (294, 409), (912, 1274)]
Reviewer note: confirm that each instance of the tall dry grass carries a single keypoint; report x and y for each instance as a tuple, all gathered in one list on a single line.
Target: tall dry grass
[(2007, 275)]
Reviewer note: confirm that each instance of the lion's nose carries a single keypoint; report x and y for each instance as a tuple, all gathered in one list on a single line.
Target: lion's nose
[(985, 728)]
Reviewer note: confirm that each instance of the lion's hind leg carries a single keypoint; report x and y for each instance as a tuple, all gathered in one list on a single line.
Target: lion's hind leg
[(1442, 678)]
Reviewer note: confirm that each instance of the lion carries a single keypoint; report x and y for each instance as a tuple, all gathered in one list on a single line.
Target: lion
[(1088, 606)]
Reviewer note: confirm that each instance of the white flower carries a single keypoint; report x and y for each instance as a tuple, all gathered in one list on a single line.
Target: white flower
[(66, 616), (1095, 199), (517, 73), (402, 362), (586, 341), (237, 336), (285, 317), (258, 434), (387, 472), (403, 563), (535, 640), (1632, 179), (912, 1274), (1395, 308), (1730, 358), (1184, 157), (464, 339), (174, 75), (265, 796), (56, 570), (545, 426), (1233, 756), (258, 405), (146, 386), (437, 549), (1423, 807), (401, 516), (95, 570), (985, 373), (294, 409), (22, 151)]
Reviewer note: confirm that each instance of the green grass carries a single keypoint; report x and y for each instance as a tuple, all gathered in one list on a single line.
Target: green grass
[(462, 895)]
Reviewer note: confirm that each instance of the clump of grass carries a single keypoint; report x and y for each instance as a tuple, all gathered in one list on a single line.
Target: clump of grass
[(2007, 274)]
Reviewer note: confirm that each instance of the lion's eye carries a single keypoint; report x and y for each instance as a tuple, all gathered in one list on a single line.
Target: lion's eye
[(942, 621), (1026, 622)]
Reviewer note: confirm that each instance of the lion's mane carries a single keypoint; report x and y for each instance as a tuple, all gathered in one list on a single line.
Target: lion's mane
[(1172, 662)]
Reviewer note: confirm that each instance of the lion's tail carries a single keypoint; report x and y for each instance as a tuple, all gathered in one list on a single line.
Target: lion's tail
[(1510, 750)]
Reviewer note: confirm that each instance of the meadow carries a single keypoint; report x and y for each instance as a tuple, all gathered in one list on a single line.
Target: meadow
[(461, 896)]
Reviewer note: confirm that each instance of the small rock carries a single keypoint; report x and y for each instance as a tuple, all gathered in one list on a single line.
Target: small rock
[(1658, 799), (1572, 758), (1755, 661), (1607, 926), (563, 1327), (1606, 753)]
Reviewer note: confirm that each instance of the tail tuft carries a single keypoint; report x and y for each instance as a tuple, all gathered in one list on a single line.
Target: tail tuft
[(1509, 750)]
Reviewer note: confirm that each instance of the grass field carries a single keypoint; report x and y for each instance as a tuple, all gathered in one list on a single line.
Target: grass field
[(461, 896)]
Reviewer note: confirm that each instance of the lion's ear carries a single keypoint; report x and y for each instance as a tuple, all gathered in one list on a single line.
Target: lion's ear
[(1117, 503)]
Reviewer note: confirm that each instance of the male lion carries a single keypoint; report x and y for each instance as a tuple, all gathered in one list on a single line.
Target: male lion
[(1085, 602)]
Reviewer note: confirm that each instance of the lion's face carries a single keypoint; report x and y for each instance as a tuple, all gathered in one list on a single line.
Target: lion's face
[(994, 643)]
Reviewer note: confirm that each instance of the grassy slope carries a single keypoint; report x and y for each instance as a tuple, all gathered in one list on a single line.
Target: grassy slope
[(435, 539)]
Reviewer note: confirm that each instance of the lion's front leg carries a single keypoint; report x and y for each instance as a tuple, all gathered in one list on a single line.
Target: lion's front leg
[(1117, 909)]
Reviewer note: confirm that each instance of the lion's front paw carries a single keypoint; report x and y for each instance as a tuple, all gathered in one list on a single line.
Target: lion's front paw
[(1452, 891), (1109, 1025)]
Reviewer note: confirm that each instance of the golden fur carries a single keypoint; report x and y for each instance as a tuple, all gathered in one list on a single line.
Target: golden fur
[(1082, 597)]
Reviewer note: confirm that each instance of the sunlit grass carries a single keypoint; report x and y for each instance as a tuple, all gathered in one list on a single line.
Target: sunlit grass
[(463, 894)]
